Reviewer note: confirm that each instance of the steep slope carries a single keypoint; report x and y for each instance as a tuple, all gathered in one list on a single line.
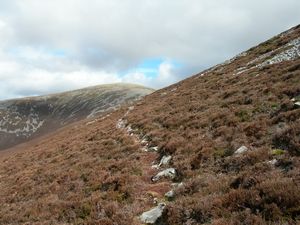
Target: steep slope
[(23, 119), (221, 147)]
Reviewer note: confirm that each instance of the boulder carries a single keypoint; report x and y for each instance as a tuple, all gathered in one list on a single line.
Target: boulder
[(241, 150), (153, 215), (165, 160), (167, 173)]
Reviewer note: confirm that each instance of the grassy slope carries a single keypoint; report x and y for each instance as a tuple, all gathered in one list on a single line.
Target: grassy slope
[(96, 174)]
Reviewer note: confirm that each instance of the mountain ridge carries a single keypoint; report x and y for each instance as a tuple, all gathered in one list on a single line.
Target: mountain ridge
[(26, 118)]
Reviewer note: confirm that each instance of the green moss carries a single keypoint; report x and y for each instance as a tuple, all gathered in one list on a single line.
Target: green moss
[(84, 211), (222, 152), (278, 152), (274, 106), (84, 177), (137, 171), (243, 115), (122, 197)]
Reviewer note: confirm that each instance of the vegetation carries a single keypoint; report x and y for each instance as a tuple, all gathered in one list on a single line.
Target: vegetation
[(96, 174)]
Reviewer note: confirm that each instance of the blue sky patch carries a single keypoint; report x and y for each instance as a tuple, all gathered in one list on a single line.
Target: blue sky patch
[(150, 66)]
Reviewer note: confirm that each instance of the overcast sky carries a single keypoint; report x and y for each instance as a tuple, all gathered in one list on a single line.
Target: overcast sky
[(55, 45)]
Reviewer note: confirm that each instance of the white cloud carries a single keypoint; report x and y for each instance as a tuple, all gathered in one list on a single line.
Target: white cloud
[(101, 39), (165, 75)]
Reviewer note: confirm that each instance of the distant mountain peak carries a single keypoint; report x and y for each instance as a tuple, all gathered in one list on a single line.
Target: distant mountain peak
[(25, 118)]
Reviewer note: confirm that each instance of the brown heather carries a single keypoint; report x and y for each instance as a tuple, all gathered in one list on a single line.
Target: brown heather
[(96, 174)]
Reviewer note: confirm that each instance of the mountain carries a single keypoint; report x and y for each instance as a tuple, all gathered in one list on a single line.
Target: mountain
[(221, 147), (26, 118)]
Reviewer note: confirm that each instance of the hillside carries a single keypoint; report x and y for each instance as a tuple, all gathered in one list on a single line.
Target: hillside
[(26, 118), (221, 147)]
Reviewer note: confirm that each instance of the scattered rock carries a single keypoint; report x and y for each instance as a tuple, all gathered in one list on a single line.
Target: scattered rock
[(167, 173), (273, 162), (155, 167), (165, 160), (129, 129), (121, 124), (293, 52), (144, 141), (152, 149), (152, 216), (296, 101), (177, 185), (241, 150), (170, 194)]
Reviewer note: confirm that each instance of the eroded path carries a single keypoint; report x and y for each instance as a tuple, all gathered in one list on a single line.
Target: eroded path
[(157, 175)]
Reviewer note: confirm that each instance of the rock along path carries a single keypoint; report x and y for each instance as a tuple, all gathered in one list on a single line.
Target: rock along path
[(161, 181)]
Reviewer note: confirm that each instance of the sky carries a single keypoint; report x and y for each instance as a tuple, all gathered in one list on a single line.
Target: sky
[(57, 45)]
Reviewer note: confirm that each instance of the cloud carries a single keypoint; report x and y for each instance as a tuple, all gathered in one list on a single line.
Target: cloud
[(165, 74), (98, 41)]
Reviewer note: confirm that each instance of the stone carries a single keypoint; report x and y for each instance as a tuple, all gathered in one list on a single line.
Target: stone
[(273, 162), (170, 194), (296, 101), (153, 215), (155, 167), (152, 149), (165, 160), (177, 185), (241, 150), (121, 124), (167, 173)]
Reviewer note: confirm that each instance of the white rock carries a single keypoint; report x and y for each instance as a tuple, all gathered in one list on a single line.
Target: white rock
[(155, 167), (152, 149), (273, 162), (296, 101), (165, 160), (129, 129), (120, 124), (241, 150), (170, 194), (177, 185), (144, 141), (167, 173), (151, 216)]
